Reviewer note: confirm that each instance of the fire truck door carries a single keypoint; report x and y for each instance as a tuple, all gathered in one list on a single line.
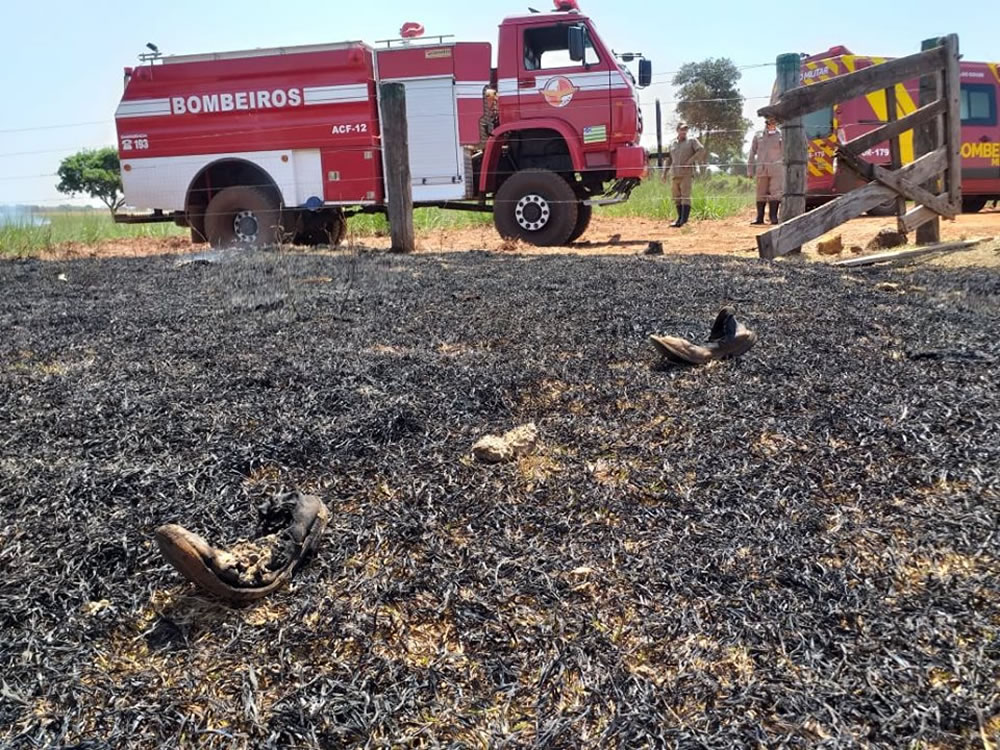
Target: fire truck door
[(437, 164), (550, 84)]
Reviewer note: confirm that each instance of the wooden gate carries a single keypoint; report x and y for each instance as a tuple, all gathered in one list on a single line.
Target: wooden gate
[(938, 129)]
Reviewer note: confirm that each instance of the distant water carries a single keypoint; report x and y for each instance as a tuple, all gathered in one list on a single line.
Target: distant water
[(20, 218)]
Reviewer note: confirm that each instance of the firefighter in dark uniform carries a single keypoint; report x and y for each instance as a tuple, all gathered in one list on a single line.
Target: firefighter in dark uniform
[(685, 153), (766, 163)]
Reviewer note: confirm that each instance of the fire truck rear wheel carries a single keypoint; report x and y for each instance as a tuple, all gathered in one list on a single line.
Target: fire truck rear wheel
[(537, 206), (328, 227), (242, 217), (583, 217)]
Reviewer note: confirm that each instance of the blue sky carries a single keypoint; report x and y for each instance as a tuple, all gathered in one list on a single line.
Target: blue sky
[(61, 62)]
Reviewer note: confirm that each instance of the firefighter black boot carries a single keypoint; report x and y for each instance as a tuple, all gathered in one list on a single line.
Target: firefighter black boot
[(680, 217), (774, 205), (761, 205), (685, 214)]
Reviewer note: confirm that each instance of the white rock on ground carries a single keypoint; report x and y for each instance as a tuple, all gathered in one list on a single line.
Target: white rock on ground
[(520, 441)]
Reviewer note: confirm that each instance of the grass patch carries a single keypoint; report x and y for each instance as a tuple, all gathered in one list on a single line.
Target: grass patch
[(715, 197), (80, 228), (424, 220)]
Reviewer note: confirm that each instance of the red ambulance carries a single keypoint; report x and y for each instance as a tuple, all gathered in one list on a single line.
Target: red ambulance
[(842, 122), (247, 147)]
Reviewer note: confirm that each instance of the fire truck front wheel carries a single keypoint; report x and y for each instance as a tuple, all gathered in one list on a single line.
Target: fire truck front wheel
[(242, 217), (537, 206)]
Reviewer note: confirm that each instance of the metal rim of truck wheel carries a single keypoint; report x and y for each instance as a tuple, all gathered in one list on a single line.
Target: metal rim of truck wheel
[(242, 217), (537, 206), (246, 227), (532, 212)]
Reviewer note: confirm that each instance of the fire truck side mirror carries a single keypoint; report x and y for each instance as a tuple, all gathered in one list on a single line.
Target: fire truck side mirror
[(577, 43), (645, 73)]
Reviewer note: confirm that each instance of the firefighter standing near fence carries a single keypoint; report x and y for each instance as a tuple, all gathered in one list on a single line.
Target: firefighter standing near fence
[(685, 153), (766, 163)]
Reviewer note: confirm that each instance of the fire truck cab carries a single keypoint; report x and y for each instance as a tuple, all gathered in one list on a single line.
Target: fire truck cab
[(251, 146), (825, 128)]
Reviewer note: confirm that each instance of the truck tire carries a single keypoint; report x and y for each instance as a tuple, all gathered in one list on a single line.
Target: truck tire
[(583, 217), (242, 217), (884, 209), (327, 227), (974, 204), (537, 206)]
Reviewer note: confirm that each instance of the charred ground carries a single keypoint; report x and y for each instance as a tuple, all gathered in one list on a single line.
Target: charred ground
[(798, 547)]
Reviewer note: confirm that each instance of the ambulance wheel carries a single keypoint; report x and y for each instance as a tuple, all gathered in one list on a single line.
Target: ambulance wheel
[(537, 206), (583, 217), (884, 209), (973, 204), (242, 217)]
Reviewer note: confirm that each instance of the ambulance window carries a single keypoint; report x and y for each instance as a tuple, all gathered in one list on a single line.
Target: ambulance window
[(547, 48), (818, 124), (979, 104)]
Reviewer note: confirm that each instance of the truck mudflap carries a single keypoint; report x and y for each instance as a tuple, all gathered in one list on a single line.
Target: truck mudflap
[(619, 192), (631, 161)]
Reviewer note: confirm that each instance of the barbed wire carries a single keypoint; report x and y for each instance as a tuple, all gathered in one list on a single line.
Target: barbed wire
[(699, 177), (135, 163), (165, 142), (416, 116), (602, 106), (60, 126), (229, 134)]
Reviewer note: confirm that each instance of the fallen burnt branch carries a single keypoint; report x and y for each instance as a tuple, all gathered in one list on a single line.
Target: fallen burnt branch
[(796, 547)]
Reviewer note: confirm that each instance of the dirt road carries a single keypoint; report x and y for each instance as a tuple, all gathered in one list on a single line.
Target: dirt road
[(606, 236), (733, 236)]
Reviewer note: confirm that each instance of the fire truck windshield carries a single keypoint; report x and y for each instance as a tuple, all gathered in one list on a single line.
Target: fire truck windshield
[(547, 48)]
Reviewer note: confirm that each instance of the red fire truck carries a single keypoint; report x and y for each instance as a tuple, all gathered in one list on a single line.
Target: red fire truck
[(827, 127), (244, 147)]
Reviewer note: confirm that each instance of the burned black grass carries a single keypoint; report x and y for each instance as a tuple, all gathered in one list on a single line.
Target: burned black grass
[(798, 547)]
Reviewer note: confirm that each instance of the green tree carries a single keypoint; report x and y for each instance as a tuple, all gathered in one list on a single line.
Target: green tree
[(96, 173), (710, 102)]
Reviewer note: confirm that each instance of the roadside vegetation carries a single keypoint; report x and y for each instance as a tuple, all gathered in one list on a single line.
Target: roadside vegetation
[(42, 233), (715, 197)]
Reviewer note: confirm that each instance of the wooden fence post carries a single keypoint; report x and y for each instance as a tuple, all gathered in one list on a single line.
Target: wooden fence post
[(927, 139), (796, 148), (396, 152), (953, 121), (659, 138)]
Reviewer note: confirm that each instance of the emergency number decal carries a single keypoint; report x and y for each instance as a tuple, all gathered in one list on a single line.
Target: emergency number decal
[(135, 143), (358, 127)]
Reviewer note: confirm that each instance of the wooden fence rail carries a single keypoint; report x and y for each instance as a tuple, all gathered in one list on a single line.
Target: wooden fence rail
[(937, 124)]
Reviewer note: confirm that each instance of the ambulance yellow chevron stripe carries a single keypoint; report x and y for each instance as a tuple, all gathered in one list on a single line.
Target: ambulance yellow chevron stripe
[(904, 104)]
